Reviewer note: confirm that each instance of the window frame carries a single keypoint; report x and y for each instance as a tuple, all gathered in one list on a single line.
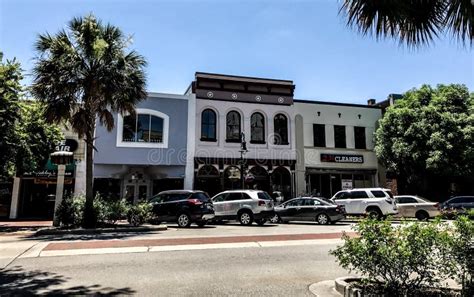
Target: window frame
[(357, 144), (287, 142), (323, 138), (215, 125), (144, 111), (227, 139), (343, 128), (262, 141)]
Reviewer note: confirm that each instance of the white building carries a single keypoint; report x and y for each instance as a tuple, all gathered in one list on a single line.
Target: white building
[(338, 146), (261, 109)]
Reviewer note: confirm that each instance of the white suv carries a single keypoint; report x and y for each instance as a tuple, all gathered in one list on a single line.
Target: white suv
[(375, 202), (246, 206)]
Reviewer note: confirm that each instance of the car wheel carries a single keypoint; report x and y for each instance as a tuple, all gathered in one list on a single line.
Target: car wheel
[(260, 222), (245, 218), (322, 219), (201, 223), (374, 213), (275, 219), (422, 215), (184, 220)]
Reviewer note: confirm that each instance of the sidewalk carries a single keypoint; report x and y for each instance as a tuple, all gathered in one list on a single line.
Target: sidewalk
[(174, 244), (11, 227), (232, 235)]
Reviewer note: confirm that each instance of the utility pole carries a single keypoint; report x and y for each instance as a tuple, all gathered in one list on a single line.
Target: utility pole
[(243, 150)]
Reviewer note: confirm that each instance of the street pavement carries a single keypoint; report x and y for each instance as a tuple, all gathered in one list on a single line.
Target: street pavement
[(229, 260)]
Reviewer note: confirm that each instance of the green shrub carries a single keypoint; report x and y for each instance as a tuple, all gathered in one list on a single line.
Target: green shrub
[(459, 257), (139, 213), (116, 210), (70, 211), (402, 259)]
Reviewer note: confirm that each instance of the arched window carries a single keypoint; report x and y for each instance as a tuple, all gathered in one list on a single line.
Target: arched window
[(233, 127), (280, 123), (145, 128), (257, 128), (208, 125)]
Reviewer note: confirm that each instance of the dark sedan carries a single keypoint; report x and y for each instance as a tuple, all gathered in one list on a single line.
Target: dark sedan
[(457, 205), (183, 206), (309, 209)]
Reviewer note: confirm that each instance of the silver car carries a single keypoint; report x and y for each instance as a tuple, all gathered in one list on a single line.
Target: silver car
[(245, 206), (416, 207)]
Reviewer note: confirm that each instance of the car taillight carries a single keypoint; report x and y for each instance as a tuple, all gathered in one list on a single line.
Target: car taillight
[(437, 206), (389, 201), (261, 203), (194, 201)]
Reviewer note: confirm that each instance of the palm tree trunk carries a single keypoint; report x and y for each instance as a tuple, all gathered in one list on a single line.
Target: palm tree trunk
[(89, 216)]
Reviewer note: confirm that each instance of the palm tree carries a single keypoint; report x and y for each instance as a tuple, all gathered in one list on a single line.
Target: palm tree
[(412, 22), (84, 74)]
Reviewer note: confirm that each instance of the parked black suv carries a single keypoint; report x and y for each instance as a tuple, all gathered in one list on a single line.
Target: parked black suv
[(183, 206)]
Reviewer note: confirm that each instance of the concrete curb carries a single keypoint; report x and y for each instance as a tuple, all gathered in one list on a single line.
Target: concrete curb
[(323, 289), (55, 231), (343, 287)]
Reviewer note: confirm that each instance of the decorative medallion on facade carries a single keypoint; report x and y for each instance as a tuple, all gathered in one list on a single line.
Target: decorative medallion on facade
[(258, 98), (281, 100), (234, 96), (210, 94)]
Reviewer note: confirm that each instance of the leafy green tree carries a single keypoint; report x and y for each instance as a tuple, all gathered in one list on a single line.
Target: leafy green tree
[(26, 140), (36, 138), (412, 22), (86, 73), (430, 131), (10, 93)]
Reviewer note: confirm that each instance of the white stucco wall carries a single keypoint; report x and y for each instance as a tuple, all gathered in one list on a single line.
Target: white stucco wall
[(329, 116), (222, 149)]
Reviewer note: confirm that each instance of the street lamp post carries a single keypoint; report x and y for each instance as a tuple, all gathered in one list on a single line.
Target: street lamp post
[(61, 159), (243, 150)]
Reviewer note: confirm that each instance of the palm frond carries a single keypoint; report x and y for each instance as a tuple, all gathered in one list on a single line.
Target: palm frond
[(460, 20), (412, 22)]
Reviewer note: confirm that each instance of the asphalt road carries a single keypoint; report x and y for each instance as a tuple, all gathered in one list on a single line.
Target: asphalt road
[(269, 271)]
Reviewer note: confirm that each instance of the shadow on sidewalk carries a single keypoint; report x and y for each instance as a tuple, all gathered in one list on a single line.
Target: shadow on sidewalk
[(17, 282)]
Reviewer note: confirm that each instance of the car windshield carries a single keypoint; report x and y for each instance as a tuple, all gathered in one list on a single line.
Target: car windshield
[(264, 195)]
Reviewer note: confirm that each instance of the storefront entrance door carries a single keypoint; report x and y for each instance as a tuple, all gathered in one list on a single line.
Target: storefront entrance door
[(135, 192)]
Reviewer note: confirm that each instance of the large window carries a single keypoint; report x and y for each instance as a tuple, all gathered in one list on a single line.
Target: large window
[(233, 127), (208, 125), (280, 123), (359, 136), (257, 128), (146, 128), (142, 128), (340, 136), (319, 135)]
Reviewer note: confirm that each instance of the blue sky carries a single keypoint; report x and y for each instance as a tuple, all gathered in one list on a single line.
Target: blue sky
[(305, 41)]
